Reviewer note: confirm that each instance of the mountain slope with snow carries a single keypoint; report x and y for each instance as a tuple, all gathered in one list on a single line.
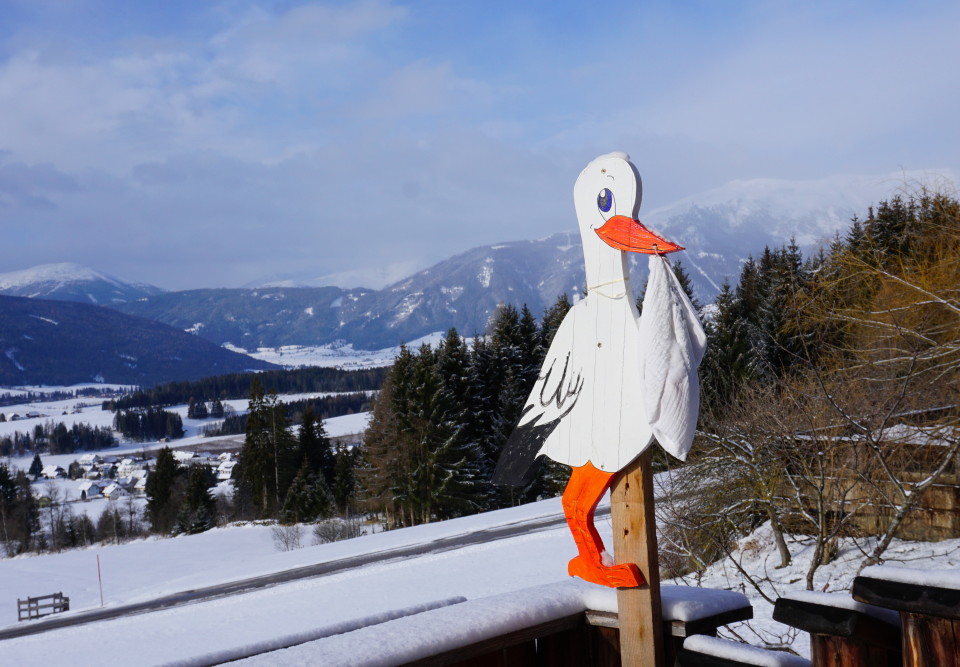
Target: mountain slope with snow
[(59, 342), (72, 282), (722, 227)]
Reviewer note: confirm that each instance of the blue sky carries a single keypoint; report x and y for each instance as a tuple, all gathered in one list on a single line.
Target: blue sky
[(192, 144)]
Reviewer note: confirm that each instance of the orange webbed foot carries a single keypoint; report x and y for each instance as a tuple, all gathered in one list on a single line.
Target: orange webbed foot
[(626, 575)]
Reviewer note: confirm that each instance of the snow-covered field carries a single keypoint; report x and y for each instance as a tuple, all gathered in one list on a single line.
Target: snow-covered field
[(341, 355)]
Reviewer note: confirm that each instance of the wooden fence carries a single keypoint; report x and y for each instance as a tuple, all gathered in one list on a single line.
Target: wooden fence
[(43, 605)]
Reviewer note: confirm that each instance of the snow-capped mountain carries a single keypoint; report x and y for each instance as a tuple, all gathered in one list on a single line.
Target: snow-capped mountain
[(72, 282), (461, 292), (720, 228)]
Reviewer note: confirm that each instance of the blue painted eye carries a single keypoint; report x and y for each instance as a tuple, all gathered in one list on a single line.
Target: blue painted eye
[(605, 200)]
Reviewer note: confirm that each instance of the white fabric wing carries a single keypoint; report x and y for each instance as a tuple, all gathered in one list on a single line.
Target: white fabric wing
[(672, 343)]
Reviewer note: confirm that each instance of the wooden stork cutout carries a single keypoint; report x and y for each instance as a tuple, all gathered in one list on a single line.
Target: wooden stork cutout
[(611, 382)]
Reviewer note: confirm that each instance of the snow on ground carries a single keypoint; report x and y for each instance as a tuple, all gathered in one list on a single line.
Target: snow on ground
[(514, 567), (145, 569), (346, 425), (88, 410), (757, 554), (341, 355), (148, 568)]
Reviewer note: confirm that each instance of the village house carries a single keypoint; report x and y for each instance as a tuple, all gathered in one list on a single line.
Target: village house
[(115, 491), (225, 469), (90, 488), (53, 472)]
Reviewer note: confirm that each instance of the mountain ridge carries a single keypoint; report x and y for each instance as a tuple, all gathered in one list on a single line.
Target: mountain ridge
[(720, 227), (69, 281), (44, 341)]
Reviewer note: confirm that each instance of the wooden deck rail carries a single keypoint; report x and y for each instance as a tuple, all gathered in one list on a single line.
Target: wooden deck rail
[(843, 633), (589, 638), (43, 605), (930, 615)]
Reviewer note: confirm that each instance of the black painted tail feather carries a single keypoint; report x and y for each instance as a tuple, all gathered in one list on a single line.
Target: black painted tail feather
[(515, 467)]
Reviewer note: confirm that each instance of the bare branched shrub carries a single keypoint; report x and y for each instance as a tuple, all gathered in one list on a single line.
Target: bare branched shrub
[(286, 538), (337, 529)]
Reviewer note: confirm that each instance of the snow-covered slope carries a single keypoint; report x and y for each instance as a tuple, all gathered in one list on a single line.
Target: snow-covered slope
[(72, 282)]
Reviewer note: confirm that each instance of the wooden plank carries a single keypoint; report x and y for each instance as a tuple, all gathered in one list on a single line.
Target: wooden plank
[(821, 619), (929, 641), (635, 541), (583, 645), (709, 625), (831, 651), (701, 626), (930, 600)]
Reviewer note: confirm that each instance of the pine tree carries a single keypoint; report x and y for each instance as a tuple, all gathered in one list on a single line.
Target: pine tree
[(36, 467), (270, 453), (552, 318), (308, 498), (727, 364), (198, 507), (160, 492), (196, 409), (216, 409), (379, 463), (315, 446), (344, 479), (19, 513)]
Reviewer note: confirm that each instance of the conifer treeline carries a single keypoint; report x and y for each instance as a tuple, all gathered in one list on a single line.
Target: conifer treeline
[(57, 438), (149, 424), (323, 407), (443, 416), (19, 513), (238, 385), (789, 314)]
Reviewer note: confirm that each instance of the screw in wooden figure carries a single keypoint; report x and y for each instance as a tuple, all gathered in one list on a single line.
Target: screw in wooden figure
[(612, 380)]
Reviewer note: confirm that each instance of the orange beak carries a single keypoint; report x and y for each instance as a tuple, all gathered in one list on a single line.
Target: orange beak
[(625, 233)]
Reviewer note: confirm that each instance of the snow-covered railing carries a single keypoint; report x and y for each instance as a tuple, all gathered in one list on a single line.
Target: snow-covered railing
[(843, 631), (704, 651), (528, 625), (929, 606), (279, 644)]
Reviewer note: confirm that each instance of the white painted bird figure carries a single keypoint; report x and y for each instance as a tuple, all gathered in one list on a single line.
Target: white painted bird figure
[(612, 380)]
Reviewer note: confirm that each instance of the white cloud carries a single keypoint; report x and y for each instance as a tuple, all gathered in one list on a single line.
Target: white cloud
[(323, 137)]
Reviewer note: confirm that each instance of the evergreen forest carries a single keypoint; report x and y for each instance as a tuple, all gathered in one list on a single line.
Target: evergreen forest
[(815, 364)]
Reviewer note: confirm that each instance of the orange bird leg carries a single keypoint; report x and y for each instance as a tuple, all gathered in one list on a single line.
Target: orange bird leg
[(584, 490)]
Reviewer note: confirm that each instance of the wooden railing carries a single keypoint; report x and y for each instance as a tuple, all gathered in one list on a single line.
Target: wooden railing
[(43, 605)]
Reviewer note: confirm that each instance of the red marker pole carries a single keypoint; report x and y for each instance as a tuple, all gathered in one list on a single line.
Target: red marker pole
[(100, 579)]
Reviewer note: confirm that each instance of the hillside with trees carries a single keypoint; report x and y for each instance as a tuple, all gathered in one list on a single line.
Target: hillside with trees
[(65, 343), (831, 385), (829, 400)]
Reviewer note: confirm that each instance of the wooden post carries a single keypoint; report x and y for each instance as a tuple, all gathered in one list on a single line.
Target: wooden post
[(635, 541)]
